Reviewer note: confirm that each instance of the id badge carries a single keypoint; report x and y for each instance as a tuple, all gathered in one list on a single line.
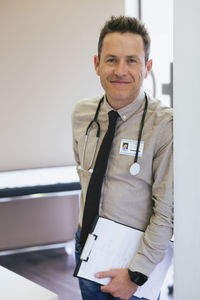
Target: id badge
[(128, 147)]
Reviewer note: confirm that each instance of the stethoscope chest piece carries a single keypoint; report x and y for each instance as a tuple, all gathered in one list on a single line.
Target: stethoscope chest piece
[(135, 169)]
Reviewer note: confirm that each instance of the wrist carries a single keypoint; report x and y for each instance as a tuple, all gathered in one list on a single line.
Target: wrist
[(137, 277)]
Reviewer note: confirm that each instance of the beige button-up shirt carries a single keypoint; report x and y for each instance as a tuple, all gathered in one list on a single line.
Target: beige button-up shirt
[(144, 201)]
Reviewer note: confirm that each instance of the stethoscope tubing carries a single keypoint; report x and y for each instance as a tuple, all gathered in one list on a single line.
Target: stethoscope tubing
[(95, 121), (141, 128)]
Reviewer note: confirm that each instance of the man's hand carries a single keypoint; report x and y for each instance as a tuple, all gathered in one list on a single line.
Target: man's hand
[(120, 286)]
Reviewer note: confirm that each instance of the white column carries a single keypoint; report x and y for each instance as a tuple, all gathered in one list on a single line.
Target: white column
[(187, 149)]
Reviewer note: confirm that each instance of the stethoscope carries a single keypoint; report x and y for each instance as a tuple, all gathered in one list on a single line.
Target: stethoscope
[(135, 167)]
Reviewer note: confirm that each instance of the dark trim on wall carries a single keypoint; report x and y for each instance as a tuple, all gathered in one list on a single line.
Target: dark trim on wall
[(140, 9)]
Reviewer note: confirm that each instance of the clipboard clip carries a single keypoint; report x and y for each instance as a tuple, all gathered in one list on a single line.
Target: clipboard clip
[(88, 246)]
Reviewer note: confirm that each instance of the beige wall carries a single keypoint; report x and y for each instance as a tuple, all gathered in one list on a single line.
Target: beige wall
[(46, 59)]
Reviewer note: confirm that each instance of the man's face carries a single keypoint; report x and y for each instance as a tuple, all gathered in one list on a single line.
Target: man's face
[(122, 67)]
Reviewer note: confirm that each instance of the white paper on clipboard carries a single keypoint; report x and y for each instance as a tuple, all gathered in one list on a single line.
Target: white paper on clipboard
[(112, 245)]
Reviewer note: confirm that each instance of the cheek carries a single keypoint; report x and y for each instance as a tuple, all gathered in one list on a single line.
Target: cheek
[(140, 75), (105, 71), (105, 76)]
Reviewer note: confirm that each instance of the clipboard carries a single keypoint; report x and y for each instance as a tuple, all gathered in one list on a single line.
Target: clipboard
[(109, 246)]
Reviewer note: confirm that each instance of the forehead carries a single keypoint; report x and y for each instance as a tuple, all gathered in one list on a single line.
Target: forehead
[(127, 43)]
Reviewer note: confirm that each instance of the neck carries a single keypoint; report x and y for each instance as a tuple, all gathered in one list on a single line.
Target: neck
[(117, 104)]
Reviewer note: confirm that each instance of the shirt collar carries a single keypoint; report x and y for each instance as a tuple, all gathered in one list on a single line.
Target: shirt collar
[(128, 110)]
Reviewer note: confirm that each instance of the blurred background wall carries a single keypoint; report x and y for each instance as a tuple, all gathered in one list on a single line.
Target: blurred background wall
[(46, 66)]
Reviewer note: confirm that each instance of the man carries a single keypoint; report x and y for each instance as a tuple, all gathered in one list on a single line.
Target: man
[(143, 200)]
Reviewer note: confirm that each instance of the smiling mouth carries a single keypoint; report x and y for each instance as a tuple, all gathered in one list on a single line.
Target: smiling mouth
[(119, 82)]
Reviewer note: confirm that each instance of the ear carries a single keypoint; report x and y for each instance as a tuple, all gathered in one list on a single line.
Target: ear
[(96, 64), (148, 68)]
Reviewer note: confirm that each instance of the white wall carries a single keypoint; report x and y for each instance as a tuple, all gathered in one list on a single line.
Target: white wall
[(187, 149), (46, 59), (132, 8), (159, 23)]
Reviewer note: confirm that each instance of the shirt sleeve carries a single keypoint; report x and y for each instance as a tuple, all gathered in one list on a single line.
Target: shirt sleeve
[(160, 229), (75, 142)]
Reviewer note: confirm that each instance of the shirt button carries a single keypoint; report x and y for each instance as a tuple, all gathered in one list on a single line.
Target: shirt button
[(124, 117)]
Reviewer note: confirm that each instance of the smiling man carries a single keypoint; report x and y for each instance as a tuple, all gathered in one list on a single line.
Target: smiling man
[(122, 67), (139, 197)]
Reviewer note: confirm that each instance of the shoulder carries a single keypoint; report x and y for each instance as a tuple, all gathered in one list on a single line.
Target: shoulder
[(85, 107), (160, 120), (160, 114)]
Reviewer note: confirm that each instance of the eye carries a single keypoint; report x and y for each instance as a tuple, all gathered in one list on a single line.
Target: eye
[(131, 60), (111, 60)]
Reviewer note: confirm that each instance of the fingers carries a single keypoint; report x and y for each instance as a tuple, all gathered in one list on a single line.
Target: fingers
[(120, 285), (107, 289), (110, 273)]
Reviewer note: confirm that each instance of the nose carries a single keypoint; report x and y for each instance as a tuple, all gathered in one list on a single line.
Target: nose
[(120, 69)]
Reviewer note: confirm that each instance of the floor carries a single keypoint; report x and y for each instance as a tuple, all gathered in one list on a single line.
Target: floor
[(53, 269)]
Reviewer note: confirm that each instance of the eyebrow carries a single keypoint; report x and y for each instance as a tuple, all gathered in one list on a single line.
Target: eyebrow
[(128, 56), (110, 55), (133, 56)]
